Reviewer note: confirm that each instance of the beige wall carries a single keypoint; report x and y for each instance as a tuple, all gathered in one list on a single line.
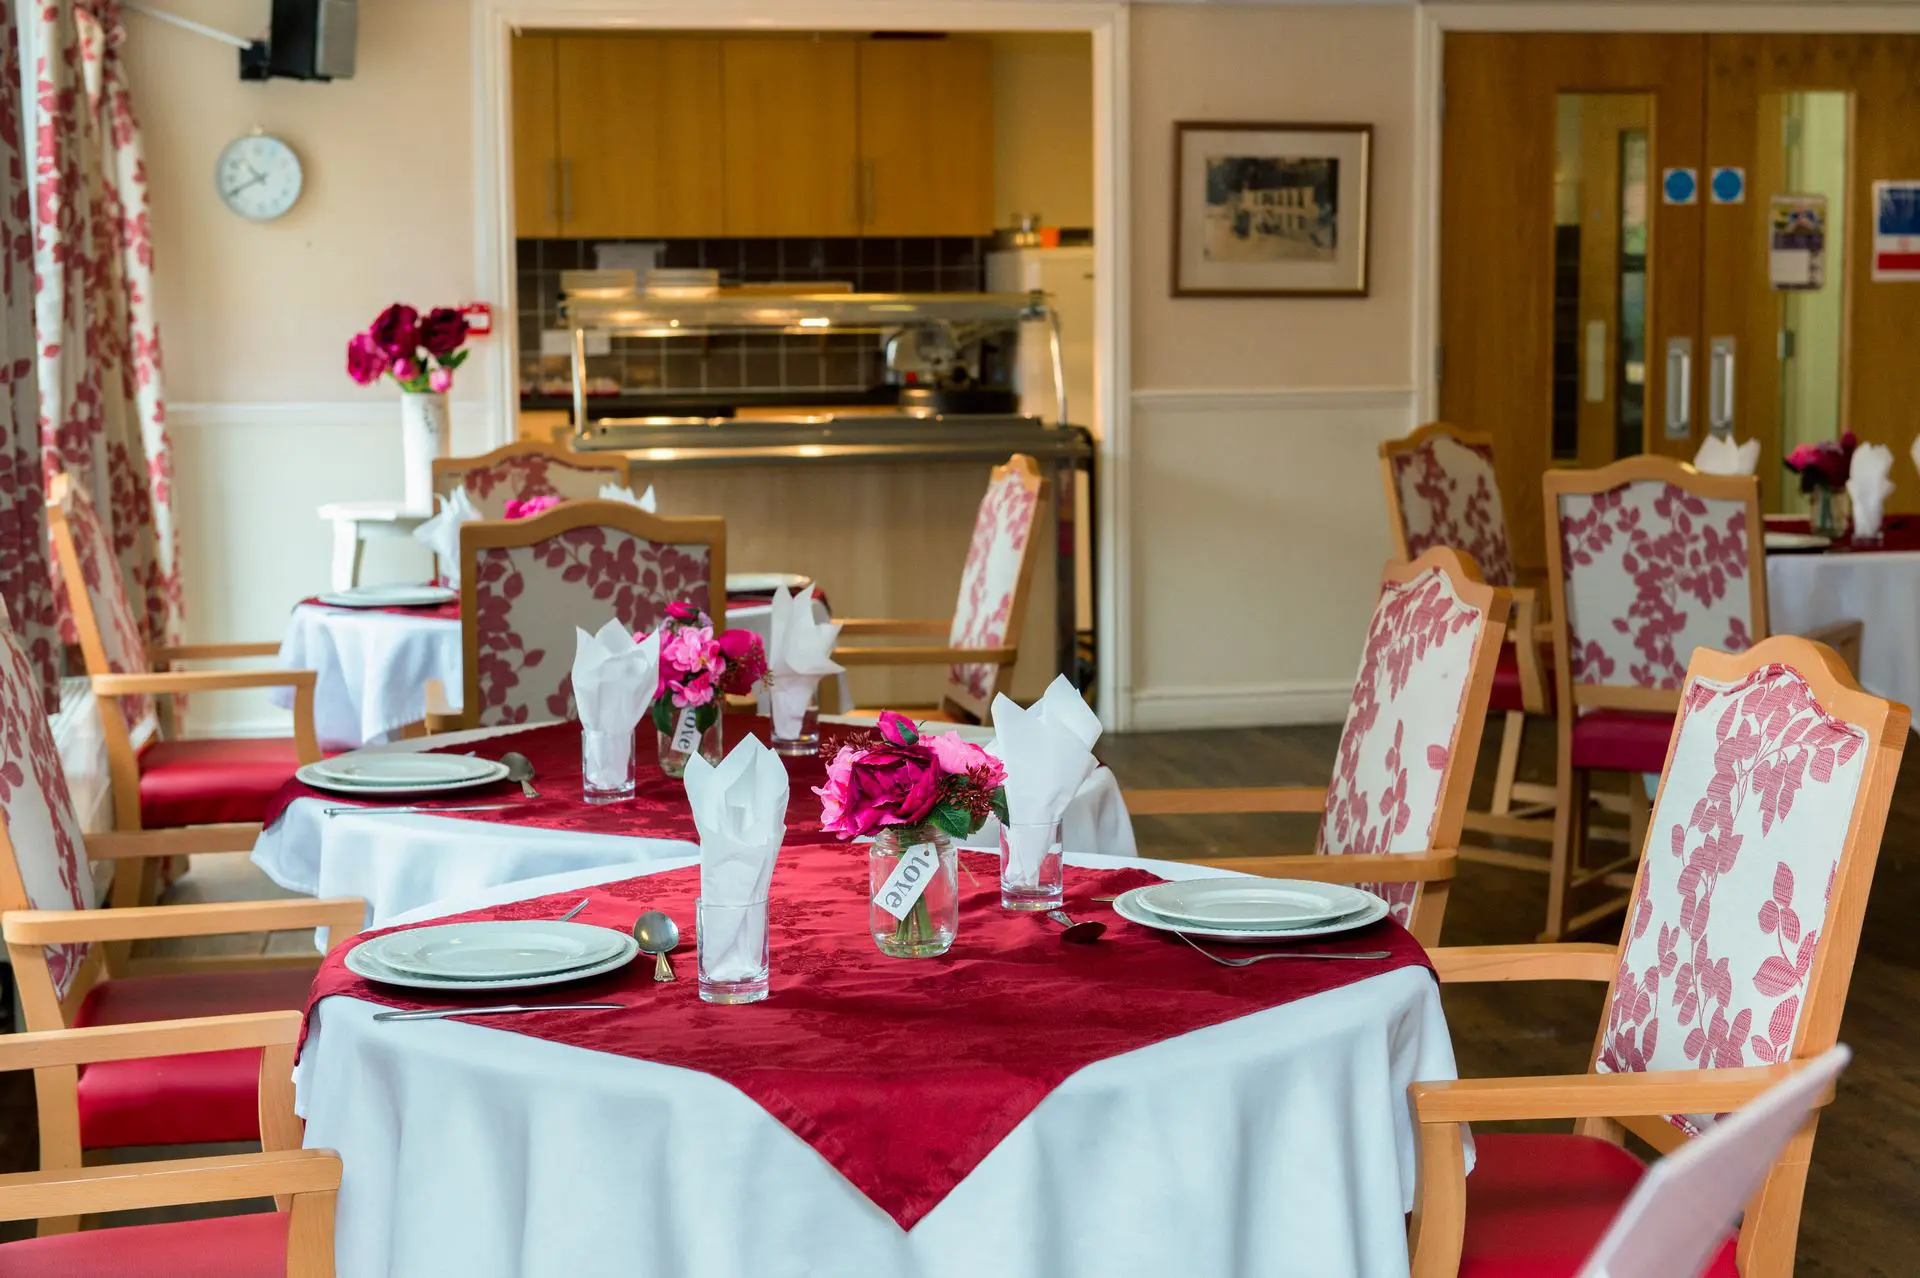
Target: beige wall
[(1043, 128)]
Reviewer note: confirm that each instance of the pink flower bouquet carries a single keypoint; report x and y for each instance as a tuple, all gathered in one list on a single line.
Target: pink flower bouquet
[(1825, 464), (418, 353), (911, 780), (697, 669), (527, 507)]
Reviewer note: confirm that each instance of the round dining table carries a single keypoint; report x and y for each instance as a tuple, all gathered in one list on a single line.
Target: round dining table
[(1876, 584), (1271, 1140)]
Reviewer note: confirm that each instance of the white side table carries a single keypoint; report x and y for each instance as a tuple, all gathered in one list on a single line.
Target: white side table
[(356, 522)]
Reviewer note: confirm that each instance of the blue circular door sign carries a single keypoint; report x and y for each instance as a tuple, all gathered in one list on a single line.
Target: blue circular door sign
[(1679, 186), (1728, 184)]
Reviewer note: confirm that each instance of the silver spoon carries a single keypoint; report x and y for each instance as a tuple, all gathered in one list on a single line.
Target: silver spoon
[(1077, 933), (520, 768), (1283, 954), (658, 935)]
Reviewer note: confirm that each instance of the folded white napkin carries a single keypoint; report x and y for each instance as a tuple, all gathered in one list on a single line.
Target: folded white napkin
[(1720, 455), (617, 492), (1869, 482), (799, 655), (613, 682), (442, 532), (1048, 750), (740, 810)]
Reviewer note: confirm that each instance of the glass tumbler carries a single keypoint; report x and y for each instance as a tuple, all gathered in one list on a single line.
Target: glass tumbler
[(731, 942), (794, 707), (1031, 874), (606, 766)]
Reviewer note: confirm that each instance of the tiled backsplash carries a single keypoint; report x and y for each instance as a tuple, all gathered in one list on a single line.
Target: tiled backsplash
[(756, 362)]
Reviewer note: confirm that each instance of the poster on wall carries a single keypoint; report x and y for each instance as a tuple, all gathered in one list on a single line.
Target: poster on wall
[(1797, 243), (1896, 231)]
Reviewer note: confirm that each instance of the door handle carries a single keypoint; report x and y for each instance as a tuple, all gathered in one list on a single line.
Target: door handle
[(1720, 385), (870, 193), (553, 192), (1679, 387), (1596, 360)]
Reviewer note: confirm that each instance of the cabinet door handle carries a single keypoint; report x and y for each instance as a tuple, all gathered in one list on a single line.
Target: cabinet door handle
[(566, 191), (553, 192), (1720, 386), (1679, 387)]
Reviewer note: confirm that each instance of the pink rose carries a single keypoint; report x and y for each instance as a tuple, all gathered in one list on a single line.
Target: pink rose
[(896, 728), (833, 795), (365, 360), (440, 379), (526, 507), (397, 330), (405, 369), (686, 648), (958, 757), (443, 331), (746, 660), (887, 785), (697, 691)]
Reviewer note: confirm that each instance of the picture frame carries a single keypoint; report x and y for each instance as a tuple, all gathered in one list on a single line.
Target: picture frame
[(1271, 209)]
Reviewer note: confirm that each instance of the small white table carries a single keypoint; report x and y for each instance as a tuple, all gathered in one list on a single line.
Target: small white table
[(357, 522)]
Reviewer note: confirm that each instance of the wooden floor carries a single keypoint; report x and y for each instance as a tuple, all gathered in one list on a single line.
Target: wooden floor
[(1862, 1215)]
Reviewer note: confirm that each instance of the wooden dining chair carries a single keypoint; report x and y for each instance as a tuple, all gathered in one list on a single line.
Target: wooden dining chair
[(1442, 490), (213, 792), (293, 1241), (527, 584), (1732, 969), (528, 468), (1390, 818), (1647, 559), (982, 638)]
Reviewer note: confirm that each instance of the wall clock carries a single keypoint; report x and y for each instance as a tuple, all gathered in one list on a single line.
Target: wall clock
[(258, 176)]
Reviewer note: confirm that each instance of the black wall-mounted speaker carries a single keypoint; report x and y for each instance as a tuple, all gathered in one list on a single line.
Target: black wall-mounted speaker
[(312, 39)]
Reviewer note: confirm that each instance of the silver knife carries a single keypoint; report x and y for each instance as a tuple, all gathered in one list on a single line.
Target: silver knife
[(437, 1013), (419, 811)]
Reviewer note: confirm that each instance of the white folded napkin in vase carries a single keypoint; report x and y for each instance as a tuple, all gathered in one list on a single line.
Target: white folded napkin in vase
[(614, 680), (1869, 482), (442, 532), (1048, 751), (740, 810), (619, 492), (799, 655), (1720, 455)]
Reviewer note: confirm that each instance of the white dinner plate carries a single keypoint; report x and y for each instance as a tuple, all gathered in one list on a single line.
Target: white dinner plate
[(1795, 542), (1240, 902), (373, 772), (495, 951), (363, 964), (389, 597), (765, 583), (1128, 907)]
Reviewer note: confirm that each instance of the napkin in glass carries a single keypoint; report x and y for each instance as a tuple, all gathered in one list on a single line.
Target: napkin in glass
[(740, 810), (799, 655), (614, 680), (611, 491), (1869, 482), (442, 532), (1720, 455), (1048, 751)]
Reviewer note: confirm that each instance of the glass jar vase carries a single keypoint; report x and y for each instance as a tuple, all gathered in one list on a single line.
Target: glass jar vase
[(926, 892), (696, 729), (1827, 512)]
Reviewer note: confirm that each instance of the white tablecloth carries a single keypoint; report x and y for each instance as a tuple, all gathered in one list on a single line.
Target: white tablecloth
[(1276, 1145), (399, 863), (1880, 589)]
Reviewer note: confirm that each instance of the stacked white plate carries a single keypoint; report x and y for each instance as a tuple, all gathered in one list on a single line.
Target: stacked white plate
[(392, 774), (508, 954), (1795, 543), (1250, 909), (390, 597), (765, 583)]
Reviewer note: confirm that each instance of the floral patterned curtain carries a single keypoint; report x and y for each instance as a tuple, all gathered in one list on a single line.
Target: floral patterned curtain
[(101, 414), (24, 582)]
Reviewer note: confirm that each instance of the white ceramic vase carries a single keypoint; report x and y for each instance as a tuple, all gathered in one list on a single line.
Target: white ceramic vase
[(423, 437)]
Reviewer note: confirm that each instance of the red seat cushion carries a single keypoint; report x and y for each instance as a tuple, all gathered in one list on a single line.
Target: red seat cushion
[(205, 782), (1507, 694), (179, 1100), (1537, 1205), (252, 1246), (1622, 740)]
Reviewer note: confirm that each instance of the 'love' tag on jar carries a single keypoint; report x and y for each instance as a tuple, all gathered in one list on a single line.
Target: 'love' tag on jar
[(908, 880), (686, 733)]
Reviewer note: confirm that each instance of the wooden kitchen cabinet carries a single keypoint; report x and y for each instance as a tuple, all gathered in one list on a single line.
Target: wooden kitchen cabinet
[(790, 111), (536, 137), (926, 137)]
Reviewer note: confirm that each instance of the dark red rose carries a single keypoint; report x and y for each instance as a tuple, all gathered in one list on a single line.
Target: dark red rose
[(746, 661), (443, 331), (892, 785), (682, 611), (397, 331)]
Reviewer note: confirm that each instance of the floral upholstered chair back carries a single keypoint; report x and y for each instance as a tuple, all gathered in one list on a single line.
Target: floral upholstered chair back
[(1649, 559), (48, 867), (1406, 753), (993, 586), (1747, 910), (111, 638), (527, 469), (527, 584), (1442, 491)]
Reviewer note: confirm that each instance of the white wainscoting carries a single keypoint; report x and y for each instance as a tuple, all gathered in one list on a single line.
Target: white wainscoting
[(1258, 532)]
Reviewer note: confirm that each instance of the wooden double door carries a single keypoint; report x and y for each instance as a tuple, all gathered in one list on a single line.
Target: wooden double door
[(1648, 237)]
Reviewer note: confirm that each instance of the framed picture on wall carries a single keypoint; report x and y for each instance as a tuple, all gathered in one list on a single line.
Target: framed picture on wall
[(1271, 210)]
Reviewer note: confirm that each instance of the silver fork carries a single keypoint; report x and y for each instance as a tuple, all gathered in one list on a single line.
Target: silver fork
[(1283, 954)]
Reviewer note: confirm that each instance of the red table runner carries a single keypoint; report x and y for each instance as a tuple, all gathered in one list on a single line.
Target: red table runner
[(903, 1074), (1897, 532)]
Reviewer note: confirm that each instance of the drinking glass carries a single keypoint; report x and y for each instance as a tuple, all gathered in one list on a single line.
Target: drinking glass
[(731, 941), (606, 766), (1031, 866), (794, 707)]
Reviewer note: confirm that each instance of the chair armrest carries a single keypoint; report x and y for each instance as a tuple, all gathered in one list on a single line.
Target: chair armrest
[(1561, 962), (161, 654), (141, 1186), (345, 915), (880, 627), (140, 845), (169, 682), (143, 1040), (928, 656), (1683, 1091), (1225, 802), (1392, 867)]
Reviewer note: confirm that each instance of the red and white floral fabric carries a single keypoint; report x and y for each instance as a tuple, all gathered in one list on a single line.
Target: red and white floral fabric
[(1652, 572), (1733, 895), (532, 598), (48, 847), (1450, 496), (113, 609), (492, 485), (1395, 750), (102, 415), (984, 613)]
